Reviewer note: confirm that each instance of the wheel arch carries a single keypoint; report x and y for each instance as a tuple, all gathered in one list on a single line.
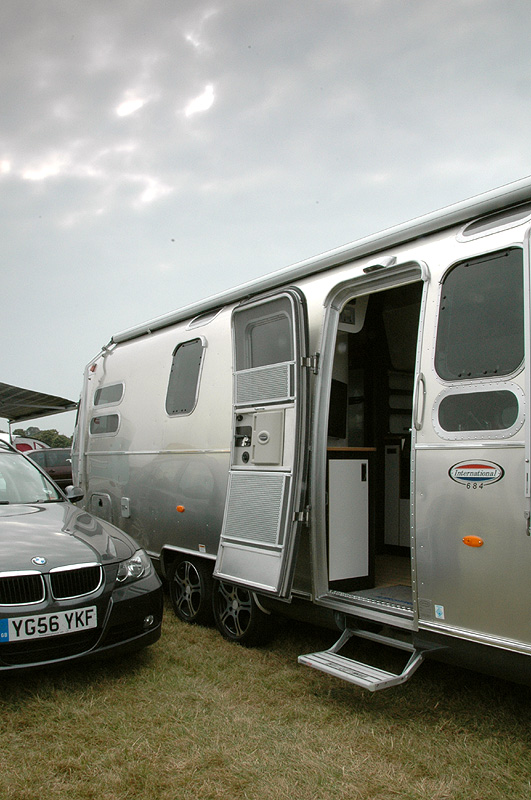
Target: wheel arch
[(170, 553)]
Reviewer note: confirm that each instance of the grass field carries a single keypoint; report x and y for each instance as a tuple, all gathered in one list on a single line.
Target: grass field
[(196, 717)]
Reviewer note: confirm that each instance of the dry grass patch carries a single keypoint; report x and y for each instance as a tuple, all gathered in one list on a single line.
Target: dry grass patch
[(197, 717)]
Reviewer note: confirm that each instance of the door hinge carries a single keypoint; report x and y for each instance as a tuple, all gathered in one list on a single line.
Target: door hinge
[(311, 362), (302, 516)]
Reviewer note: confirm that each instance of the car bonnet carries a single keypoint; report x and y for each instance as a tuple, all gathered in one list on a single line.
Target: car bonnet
[(60, 533)]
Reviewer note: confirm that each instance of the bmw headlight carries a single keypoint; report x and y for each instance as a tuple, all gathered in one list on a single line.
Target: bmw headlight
[(134, 568)]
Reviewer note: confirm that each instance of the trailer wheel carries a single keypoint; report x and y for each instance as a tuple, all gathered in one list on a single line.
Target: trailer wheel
[(190, 586), (238, 617)]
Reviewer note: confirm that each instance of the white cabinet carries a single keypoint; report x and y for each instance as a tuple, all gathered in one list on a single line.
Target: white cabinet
[(348, 518)]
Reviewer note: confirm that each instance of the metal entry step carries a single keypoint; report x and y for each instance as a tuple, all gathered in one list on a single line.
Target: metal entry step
[(364, 675)]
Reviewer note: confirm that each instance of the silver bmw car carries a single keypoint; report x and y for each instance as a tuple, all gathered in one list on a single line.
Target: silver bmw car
[(71, 586)]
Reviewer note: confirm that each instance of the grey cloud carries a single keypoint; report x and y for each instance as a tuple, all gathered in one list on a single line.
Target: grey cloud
[(330, 119)]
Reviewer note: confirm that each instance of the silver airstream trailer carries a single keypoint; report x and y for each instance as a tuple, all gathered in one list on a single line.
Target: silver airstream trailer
[(346, 441)]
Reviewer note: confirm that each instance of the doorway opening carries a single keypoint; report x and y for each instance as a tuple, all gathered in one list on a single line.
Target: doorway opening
[(369, 449)]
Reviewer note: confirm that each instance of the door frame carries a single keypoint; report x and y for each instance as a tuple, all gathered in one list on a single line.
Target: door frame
[(374, 280)]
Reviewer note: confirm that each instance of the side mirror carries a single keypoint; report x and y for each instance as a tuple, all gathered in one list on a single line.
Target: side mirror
[(74, 493)]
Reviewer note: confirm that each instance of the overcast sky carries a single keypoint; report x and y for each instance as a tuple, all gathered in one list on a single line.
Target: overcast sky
[(156, 152)]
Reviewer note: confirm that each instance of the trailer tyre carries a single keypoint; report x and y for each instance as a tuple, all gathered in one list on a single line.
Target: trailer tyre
[(238, 616), (190, 587)]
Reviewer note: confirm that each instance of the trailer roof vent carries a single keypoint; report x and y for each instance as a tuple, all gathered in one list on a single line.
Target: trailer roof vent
[(203, 319), (507, 218)]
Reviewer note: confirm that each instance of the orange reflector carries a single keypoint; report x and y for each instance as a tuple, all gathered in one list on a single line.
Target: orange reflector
[(180, 509), (473, 541)]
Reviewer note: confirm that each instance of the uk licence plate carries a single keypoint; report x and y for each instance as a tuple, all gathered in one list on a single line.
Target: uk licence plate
[(15, 629)]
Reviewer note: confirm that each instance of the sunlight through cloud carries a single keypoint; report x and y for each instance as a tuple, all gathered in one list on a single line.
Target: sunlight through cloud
[(48, 169), (129, 107), (195, 36), (201, 103)]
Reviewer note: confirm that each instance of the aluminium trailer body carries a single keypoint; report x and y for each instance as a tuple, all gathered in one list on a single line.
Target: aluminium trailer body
[(346, 440)]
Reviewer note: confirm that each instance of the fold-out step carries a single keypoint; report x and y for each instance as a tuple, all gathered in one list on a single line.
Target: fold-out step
[(364, 675)]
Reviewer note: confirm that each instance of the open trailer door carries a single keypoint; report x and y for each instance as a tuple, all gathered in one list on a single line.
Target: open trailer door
[(264, 506)]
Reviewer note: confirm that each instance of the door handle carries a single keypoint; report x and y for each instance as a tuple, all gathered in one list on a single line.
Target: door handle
[(419, 401)]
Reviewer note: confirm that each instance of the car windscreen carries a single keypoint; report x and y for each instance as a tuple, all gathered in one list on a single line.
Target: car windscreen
[(21, 482)]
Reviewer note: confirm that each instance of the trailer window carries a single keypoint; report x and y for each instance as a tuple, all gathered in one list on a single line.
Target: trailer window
[(104, 424), (183, 385), (497, 221), (478, 411), (265, 337), (107, 395), (481, 318)]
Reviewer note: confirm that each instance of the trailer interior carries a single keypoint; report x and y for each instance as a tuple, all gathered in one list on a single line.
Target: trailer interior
[(369, 450)]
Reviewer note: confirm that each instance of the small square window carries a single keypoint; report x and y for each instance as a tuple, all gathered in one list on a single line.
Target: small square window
[(104, 424), (107, 395), (265, 335)]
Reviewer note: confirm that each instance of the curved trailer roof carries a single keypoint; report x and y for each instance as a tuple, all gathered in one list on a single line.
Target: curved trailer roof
[(511, 194)]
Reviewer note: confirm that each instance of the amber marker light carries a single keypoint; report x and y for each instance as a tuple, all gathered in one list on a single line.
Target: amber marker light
[(473, 541), (180, 509)]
